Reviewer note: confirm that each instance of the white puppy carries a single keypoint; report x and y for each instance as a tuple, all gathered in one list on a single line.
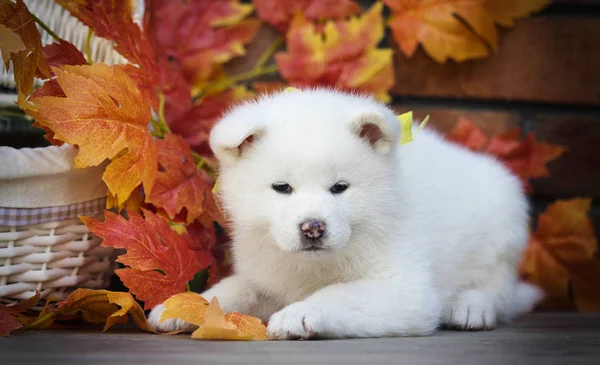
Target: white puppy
[(340, 232)]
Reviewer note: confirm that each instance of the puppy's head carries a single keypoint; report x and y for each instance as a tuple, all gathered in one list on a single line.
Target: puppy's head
[(309, 171)]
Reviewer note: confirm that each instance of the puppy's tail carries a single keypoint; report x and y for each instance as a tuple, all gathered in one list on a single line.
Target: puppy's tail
[(525, 298)]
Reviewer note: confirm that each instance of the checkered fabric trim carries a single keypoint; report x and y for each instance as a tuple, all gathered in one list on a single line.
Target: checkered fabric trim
[(14, 217)]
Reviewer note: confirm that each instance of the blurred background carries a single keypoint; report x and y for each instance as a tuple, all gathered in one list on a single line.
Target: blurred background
[(540, 74)]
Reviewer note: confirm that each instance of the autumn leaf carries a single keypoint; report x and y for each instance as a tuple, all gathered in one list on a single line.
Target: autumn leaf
[(26, 63), (526, 158), (26, 304), (280, 12), (231, 326), (10, 42), (212, 322), (468, 135), (562, 254), (344, 55), (103, 306), (194, 121), (113, 20), (179, 184), (106, 116), (200, 35), (63, 53), (159, 261), (8, 321), (457, 29), (189, 307)]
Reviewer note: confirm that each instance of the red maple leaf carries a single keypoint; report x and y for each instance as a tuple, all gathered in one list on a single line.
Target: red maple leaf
[(195, 120), (160, 262), (280, 12), (199, 35), (63, 53), (467, 134), (344, 54), (526, 157), (8, 322), (179, 184)]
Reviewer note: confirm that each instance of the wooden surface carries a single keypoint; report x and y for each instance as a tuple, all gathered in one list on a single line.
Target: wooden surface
[(534, 339)]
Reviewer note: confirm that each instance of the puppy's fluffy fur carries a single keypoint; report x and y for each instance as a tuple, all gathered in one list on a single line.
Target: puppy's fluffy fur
[(427, 234)]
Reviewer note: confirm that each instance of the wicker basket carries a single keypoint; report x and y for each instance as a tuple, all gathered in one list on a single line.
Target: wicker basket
[(43, 244)]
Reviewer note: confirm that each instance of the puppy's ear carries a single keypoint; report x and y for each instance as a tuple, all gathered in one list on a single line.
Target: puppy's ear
[(230, 139), (372, 127)]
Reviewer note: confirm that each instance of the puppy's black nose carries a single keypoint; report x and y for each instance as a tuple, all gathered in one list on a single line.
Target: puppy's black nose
[(313, 228)]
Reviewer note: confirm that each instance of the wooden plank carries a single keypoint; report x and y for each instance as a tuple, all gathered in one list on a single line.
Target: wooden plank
[(577, 172), (550, 60), (546, 339), (577, 2)]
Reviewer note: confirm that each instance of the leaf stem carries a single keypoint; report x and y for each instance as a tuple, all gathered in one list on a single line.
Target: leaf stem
[(161, 113), (45, 27), (230, 81), (39, 320), (268, 53), (88, 46), (202, 164)]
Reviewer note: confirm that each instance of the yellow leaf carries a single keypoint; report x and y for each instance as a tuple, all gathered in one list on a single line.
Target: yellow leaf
[(342, 54), (189, 307), (98, 306), (233, 326), (128, 306), (457, 29)]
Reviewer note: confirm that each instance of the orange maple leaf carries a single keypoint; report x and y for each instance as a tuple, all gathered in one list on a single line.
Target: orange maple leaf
[(179, 184), (27, 62), (280, 12), (113, 20), (457, 29), (151, 245), (343, 55), (106, 116), (526, 158), (103, 306), (562, 254), (212, 322), (200, 35)]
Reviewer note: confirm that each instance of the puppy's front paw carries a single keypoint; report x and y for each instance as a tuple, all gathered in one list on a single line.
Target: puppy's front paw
[(298, 320), (472, 310), (168, 325)]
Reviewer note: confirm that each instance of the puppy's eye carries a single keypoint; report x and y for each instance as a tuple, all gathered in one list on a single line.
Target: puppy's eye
[(339, 187), (282, 188)]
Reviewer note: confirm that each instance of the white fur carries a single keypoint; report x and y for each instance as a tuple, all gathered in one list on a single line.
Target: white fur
[(427, 234)]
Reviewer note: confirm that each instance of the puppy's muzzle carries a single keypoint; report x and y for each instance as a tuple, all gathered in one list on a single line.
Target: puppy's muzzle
[(313, 229)]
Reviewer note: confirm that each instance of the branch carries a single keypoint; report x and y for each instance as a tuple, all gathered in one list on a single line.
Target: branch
[(268, 53), (45, 27), (230, 81), (88, 50)]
